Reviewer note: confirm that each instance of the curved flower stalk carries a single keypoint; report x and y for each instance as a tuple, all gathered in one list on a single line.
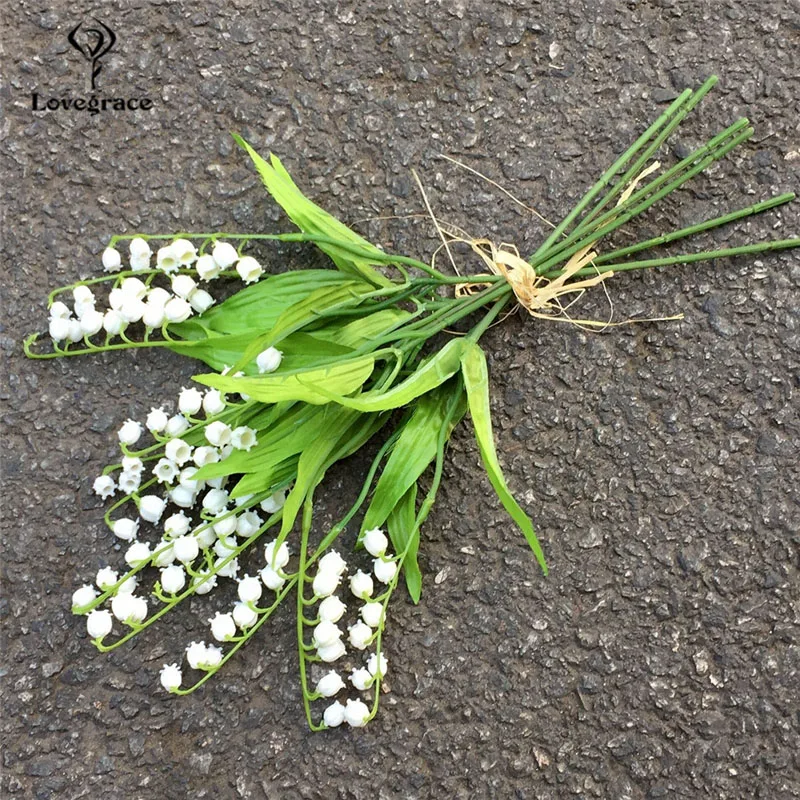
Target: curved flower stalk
[(306, 367)]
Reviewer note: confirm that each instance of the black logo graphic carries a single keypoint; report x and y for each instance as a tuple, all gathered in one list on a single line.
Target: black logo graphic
[(92, 44)]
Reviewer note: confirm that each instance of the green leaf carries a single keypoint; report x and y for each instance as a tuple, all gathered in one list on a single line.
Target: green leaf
[(404, 533), (256, 308), (310, 218), (364, 329), (476, 380), (341, 377), (300, 351), (415, 449), (305, 312), (433, 372)]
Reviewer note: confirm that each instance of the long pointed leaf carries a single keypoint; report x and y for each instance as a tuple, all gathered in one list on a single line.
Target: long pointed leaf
[(476, 380)]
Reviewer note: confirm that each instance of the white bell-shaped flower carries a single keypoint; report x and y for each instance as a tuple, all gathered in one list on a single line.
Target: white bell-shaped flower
[(157, 296), (332, 652), (176, 525), (361, 585), (244, 616), (356, 713), (359, 635), (99, 623), (178, 451), (106, 578), (133, 288), (139, 247), (223, 627), (249, 589), (249, 269), (329, 684), (271, 579), (274, 503), (384, 570), (375, 542), (113, 322), (91, 322), (186, 548), (372, 613), (326, 633), (183, 286), (200, 300), (185, 251), (125, 528), (332, 562), (224, 255), (58, 328), (59, 310), (112, 260), (151, 507), (207, 268), (325, 584), (247, 524), (176, 425), (177, 310), (377, 665), (243, 438), (218, 433), (331, 609), (269, 360), (333, 716), (83, 596), (137, 554), (167, 259), (214, 402), (153, 315), (171, 677), (104, 486), (276, 558), (361, 679), (130, 432)]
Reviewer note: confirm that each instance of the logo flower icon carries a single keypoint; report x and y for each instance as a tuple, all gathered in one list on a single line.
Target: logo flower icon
[(92, 43)]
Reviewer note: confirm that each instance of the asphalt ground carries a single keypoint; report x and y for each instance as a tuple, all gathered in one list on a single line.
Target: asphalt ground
[(659, 461)]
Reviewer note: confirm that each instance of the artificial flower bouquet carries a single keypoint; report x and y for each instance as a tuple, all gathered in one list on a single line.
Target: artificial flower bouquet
[(216, 487)]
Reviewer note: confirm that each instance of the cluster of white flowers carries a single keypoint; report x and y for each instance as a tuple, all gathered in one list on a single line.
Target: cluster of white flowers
[(327, 637), (133, 300)]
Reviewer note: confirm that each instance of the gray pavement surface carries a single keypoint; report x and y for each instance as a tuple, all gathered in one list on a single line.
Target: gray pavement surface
[(660, 658)]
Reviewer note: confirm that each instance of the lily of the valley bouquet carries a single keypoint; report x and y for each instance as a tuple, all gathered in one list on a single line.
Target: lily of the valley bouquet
[(304, 368)]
